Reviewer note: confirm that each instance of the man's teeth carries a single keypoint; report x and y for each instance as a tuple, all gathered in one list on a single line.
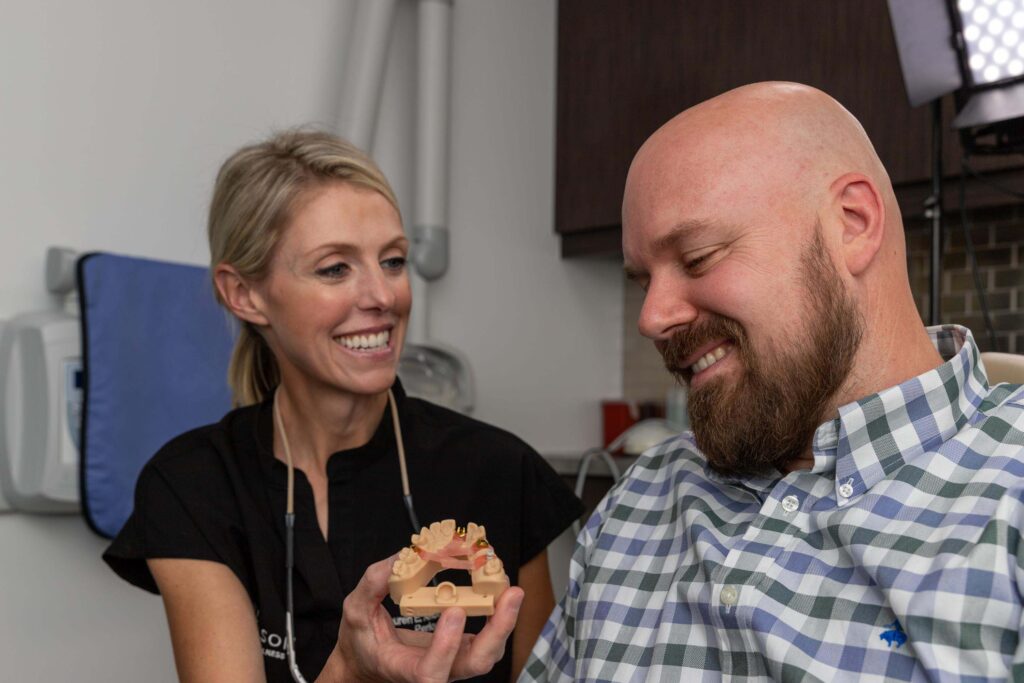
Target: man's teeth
[(708, 359), (366, 342)]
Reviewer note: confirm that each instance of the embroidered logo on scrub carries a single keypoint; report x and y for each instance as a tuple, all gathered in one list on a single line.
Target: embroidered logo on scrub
[(894, 634), (416, 623)]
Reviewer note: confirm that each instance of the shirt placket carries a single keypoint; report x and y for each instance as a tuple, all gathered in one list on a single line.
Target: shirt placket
[(737, 593)]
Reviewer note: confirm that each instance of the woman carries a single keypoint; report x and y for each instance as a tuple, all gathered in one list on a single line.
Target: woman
[(308, 252)]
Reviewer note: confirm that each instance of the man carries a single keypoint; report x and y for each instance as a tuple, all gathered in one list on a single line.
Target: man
[(849, 504)]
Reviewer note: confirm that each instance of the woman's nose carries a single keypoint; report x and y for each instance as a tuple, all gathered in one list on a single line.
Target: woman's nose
[(376, 291)]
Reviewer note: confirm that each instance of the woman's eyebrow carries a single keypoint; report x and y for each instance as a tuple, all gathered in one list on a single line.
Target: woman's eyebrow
[(343, 247), (400, 241), (348, 248)]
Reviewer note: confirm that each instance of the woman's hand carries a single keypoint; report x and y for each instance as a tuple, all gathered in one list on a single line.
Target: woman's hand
[(370, 648)]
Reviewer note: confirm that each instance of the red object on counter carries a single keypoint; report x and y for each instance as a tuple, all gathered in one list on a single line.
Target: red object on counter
[(617, 417)]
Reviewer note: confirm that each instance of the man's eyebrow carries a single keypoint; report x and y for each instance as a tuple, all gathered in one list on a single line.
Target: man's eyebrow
[(674, 236), (668, 241)]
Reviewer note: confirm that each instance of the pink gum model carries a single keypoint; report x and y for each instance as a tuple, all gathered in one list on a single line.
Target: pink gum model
[(442, 545)]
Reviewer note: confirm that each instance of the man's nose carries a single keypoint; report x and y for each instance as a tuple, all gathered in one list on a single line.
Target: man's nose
[(667, 306)]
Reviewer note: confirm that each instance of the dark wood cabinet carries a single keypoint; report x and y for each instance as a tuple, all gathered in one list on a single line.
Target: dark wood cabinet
[(626, 67)]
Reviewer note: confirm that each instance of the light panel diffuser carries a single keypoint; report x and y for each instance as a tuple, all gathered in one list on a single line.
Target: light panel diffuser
[(993, 32)]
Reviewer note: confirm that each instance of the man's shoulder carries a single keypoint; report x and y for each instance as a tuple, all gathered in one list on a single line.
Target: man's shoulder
[(1003, 396), (668, 457), (1001, 414), (660, 470)]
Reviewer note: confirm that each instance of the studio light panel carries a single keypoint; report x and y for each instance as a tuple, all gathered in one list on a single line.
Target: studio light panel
[(993, 31)]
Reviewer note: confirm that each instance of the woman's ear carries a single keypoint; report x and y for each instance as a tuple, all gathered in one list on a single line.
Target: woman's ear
[(861, 213), (238, 294)]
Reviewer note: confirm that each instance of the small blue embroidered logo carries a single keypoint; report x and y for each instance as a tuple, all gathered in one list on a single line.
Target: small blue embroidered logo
[(895, 635)]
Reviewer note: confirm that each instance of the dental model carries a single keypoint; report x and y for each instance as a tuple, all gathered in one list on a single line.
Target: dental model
[(442, 545)]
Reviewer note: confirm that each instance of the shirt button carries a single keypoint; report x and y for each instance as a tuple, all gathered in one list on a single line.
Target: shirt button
[(790, 503), (729, 595), (845, 490)]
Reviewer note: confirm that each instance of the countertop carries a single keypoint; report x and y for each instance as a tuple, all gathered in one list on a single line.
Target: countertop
[(568, 464)]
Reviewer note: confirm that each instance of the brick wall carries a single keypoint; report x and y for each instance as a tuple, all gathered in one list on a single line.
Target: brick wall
[(998, 235)]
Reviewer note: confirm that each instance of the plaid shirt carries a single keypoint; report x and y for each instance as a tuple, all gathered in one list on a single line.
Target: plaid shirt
[(897, 557)]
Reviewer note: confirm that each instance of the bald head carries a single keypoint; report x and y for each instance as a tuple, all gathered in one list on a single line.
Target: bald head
[(802, 120), (787, 141)]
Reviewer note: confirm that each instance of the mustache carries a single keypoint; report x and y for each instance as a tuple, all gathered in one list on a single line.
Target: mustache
[(685, 342)]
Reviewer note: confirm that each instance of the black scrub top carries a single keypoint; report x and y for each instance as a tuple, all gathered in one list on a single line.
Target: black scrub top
[(218, 493)]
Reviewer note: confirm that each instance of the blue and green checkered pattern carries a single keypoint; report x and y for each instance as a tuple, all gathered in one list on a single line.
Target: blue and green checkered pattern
[(897, 557)]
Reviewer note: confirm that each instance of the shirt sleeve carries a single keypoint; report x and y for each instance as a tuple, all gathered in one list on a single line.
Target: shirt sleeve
[(554, 656), (1017, 567), (548, 505), (171, 519)]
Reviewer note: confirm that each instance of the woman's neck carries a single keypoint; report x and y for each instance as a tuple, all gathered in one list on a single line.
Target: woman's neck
[(318, 425)]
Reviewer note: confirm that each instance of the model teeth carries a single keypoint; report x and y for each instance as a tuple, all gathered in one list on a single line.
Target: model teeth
[(709, 359), (366, 342), (436, 536)]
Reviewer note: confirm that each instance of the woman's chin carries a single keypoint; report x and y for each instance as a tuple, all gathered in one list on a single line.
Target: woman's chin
[(369, 383)]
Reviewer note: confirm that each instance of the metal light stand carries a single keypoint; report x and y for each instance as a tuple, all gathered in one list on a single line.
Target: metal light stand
[(933, 210)]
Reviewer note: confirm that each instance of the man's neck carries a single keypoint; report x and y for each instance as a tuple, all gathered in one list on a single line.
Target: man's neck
[(883, 361)]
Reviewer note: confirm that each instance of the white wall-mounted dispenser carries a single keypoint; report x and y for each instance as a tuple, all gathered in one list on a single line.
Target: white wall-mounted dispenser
[(41, 400)]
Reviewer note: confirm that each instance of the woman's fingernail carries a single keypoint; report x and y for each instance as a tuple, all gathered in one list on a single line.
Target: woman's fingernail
[(517, 602)]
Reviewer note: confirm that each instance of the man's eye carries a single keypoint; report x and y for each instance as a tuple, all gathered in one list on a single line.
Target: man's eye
[(697, 263), (334, 271), (396, 263)]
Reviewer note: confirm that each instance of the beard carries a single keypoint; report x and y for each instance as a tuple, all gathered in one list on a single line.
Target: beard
[(767, 417)]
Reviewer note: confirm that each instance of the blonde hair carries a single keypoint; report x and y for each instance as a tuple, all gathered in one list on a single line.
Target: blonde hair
[(257, 190)]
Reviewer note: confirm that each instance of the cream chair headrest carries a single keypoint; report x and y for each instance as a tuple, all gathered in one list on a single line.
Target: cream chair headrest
[(1003, 367)]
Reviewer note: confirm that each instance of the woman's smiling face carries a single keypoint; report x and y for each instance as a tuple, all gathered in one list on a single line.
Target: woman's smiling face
[(336, 298)]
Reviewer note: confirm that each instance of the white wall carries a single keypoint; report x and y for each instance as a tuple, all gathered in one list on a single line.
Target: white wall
[(115, 116), (544, 335)]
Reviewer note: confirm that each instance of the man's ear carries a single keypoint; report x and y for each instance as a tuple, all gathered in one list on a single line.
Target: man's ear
[(238, 294), (861, 213)]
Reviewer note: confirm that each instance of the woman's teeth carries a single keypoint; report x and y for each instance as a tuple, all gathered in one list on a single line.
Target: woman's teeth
[(366, 342), (708, 359)]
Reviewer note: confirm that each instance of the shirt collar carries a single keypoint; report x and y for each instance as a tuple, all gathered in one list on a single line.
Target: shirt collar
[(879, 433)]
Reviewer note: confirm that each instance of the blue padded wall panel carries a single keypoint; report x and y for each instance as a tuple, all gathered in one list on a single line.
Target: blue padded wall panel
[(155, 352)]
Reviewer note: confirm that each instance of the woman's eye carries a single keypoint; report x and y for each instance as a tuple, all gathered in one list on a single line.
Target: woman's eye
[(395, 263), (334, 271)]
